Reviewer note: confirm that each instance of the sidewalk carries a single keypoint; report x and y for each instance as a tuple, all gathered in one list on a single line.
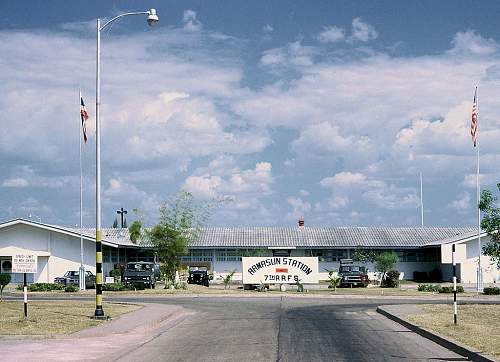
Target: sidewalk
[(105, 342)]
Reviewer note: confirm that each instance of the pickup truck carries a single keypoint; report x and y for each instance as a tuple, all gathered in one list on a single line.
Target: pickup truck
[(141, 272), (352, 275), (72, 277)]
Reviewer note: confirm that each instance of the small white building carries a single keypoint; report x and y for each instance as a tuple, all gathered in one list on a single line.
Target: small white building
[(467, 257), (424, 250), (57, 249)]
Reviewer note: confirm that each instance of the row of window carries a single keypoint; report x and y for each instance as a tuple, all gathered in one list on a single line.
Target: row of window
[(324, 255)]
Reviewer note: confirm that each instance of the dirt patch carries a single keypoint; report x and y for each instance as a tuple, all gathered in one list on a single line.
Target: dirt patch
[(53, 317), (478, 325)]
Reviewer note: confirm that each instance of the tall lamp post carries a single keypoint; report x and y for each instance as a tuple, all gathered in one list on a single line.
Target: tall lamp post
[(152, 18)]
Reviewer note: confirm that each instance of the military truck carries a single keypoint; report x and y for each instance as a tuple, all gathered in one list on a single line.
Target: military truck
[(353, 275), (199, 275), (141, 272)]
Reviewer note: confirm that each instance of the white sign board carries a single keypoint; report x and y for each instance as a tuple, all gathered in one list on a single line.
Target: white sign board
[(24, 263), (280, 270)]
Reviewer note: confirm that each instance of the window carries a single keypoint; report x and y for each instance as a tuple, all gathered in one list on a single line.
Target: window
[(327, 255)]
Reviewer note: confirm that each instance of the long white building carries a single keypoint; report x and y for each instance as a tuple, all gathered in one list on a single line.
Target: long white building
[(420, 249)]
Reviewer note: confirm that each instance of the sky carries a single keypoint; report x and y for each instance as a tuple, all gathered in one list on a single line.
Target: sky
[(283, 109)]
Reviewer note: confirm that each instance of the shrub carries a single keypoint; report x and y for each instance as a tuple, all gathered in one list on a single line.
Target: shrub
[(428, 288), (491, 291), (181, 285), (391, 279), (71, 289), (449, 289), (114, 287), (43, 287), (4, 280)]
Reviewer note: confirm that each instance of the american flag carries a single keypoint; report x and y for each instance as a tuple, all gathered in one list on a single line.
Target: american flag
[(473, 125), (84, 115)]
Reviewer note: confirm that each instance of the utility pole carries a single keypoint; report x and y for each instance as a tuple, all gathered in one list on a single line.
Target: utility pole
[(122, 214)]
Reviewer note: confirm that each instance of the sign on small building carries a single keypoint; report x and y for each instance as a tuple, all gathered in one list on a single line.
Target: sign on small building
[(24, 263), (280, 270)]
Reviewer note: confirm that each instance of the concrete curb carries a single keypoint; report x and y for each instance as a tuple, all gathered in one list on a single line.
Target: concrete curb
[(471, 353)]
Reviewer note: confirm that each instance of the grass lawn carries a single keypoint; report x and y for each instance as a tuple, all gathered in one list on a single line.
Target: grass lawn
[(53, 317), (478, 325)]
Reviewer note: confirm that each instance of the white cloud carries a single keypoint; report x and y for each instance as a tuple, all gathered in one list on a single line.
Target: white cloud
[(267, 28), (343, 179), (118, 190), (304, 193), (299, 208), (391, 197), (331, 34), (471, 43), (231, 182), (362, 31), (15, 182), (293, 55), (462, 203), (324, 136), (190, 21), (338, 202), (203, 187), (346, 185)]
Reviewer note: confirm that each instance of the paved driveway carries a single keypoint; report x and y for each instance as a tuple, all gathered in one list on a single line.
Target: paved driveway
[(286, 329), (216, 328)]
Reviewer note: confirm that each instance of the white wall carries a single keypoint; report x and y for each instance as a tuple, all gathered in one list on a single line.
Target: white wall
[(64, 250), (469, 267)]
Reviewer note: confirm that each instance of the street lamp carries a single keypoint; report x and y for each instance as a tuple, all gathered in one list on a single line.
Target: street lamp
[(152, 20)]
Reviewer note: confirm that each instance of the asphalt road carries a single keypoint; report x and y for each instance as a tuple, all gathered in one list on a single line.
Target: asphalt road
[(285, 329)]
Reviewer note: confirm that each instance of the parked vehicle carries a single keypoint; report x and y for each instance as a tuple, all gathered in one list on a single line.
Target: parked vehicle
[(72, 277), (141, 272), (199, 275), (352, 275)]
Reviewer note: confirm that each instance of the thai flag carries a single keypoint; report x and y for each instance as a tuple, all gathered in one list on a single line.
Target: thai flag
[(84, 116)]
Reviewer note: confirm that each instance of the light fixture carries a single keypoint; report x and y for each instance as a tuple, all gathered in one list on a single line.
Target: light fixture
[(152, 17)]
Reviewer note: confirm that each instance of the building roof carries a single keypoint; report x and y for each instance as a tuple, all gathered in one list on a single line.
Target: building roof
[(458, 238), (55, 228), (308, 237), (290, 237)]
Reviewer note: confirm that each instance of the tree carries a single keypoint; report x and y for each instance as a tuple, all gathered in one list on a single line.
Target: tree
[(363, 255), (115, 223), (180, 221), (491, 224), (4, 280), (385, 262)]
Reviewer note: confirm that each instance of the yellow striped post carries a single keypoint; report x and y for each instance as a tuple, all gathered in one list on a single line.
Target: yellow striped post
[(99, 312)]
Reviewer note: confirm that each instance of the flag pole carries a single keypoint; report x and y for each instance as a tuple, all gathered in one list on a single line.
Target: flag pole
[(421, 200), (80, 131), (479, 271)]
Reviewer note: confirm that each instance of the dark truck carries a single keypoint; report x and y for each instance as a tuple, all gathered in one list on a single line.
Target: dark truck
[(199, 275), (72, 277), (141, 272), (352, 275)]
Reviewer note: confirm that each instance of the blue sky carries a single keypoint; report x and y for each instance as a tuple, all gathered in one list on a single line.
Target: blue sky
[(326, 110)]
